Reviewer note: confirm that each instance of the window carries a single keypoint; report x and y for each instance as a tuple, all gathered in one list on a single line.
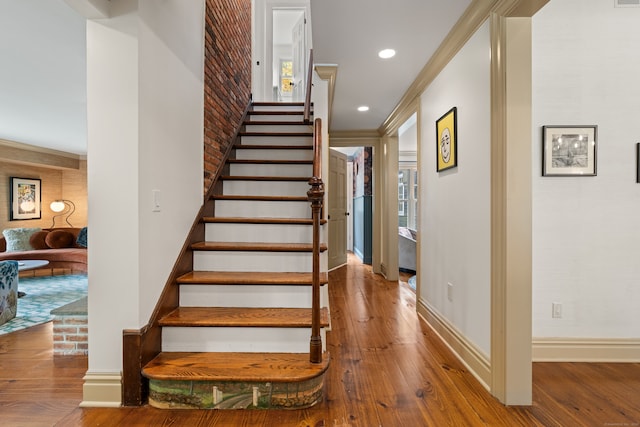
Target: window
[(286, 77), (407, 196)]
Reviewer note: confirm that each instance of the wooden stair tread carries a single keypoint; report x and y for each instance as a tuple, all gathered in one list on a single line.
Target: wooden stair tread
[(265, 178), (256, 246), (272, 147), (270, 162), (248, 278), (261, 198), (255, 220), (250, 367), (256, 317)]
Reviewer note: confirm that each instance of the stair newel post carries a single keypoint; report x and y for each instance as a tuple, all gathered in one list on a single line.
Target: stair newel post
[(316, 197)]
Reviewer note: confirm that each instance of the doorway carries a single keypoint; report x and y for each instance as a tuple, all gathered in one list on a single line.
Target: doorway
[(408, 196), (358, 196), (288, 53)]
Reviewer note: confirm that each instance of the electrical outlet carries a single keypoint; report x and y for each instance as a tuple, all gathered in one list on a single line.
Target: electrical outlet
[(556, 310), (450, 291)]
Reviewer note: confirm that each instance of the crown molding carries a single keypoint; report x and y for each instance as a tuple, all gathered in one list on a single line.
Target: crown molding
[(350, 137), (15, 152), (472, 18), (329, 73)]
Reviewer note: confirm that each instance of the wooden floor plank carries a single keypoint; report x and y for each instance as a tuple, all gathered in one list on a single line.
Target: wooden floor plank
[(417, 385)]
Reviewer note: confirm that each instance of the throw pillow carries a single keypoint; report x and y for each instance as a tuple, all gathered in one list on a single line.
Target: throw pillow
[(18, 238), (59, 239), (82, 238), (37, 240)]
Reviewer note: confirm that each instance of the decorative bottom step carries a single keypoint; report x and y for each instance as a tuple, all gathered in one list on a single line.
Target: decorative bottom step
[(235, 380)]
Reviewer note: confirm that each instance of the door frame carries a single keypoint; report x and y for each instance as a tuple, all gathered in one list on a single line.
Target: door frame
[(262, 43)]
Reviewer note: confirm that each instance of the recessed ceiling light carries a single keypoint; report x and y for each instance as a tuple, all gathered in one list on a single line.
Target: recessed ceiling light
[(387, 53), (363, 108)]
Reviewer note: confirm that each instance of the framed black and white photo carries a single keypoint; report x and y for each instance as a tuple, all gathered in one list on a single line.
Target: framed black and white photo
[(569, 150), (25, 198)]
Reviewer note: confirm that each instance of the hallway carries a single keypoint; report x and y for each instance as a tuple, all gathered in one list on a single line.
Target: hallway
[(387, 369)]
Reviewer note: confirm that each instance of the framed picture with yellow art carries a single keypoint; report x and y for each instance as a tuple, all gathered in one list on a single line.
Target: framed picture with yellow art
[(447, 141)]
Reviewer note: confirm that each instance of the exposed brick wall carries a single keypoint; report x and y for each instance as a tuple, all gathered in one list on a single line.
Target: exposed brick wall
[(70, 335), (227, 77)]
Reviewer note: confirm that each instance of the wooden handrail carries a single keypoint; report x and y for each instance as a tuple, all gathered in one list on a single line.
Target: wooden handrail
[(307, 98), (316, 196), (317, 148)]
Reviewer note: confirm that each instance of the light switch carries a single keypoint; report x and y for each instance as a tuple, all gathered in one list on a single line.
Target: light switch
[(156, 200)]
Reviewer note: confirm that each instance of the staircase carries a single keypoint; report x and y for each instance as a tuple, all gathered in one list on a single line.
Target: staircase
[(240, 337)]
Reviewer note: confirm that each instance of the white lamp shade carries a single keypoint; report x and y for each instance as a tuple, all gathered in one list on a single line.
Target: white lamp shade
[(57, 206)]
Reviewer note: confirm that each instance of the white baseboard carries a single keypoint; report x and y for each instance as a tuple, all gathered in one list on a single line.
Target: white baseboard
[(102, 390), (475, 361), (586, 350)]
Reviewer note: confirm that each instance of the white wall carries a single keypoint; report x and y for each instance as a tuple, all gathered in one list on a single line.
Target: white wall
[(586, 234), (455, 204), (171, 135), (145, 109), (112, 177)]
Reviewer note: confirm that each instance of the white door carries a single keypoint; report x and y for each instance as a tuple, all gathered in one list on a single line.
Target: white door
[(337, 204), (299, 54)]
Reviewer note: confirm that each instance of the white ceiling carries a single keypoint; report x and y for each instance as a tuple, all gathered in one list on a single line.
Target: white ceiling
[(350, 33), (43, 81), (43, 97)]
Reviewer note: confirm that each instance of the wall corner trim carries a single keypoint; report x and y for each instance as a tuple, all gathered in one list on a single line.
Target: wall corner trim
[(475, 360), (102, 390)]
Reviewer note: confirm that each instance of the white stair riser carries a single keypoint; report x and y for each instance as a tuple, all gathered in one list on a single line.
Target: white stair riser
[(265, 188), (284, 154), (276, 117), (279, 128), (262, 209), (275, 233), (299, 108), (270, 170), (245, 296), (252, 261), (251, 340), (277, 140)]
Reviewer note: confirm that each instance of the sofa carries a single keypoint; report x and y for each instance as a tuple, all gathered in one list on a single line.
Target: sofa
[(64, 248), (407, 250)]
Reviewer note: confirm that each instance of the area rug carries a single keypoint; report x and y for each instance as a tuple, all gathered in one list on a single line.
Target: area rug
[(44, 294)]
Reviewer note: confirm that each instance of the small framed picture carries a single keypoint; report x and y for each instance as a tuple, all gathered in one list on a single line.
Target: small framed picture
[(25, 198), (569, 150), (447, 141)]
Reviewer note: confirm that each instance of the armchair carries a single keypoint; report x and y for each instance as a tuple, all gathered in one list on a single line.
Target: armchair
[(8, 290)]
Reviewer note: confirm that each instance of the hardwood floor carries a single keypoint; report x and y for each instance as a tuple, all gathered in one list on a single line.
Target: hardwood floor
[(387, 369)]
